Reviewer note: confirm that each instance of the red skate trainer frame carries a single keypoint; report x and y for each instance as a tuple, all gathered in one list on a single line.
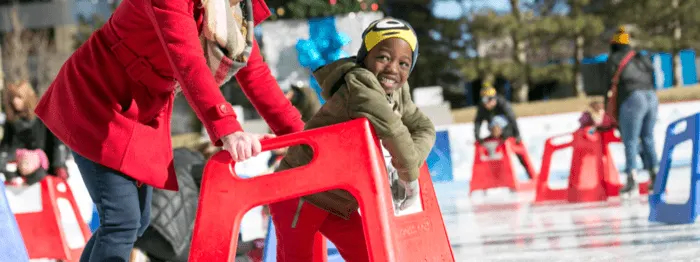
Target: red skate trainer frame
[(593, 175), (346, 156), (487, 174), (42, 231)]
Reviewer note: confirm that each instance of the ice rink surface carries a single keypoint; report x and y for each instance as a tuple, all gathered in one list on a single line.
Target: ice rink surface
[(499, 226)]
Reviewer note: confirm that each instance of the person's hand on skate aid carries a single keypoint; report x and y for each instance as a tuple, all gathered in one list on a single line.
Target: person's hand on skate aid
[(403, 193), (410, 192), (242, 145)]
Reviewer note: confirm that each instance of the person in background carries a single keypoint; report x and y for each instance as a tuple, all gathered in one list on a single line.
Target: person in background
[(492, 105), (595, 116), (496, 126), (32, 167), (632, 101), (26, 140), (304, 99)]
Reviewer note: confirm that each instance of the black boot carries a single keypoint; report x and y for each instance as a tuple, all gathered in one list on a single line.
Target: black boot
[(631, 184), (652, 178)]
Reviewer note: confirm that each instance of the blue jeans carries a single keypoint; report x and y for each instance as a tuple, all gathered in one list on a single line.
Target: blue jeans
[(124, 209), (637, 117)]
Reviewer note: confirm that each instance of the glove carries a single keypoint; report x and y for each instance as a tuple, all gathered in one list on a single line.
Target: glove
[(408, 193), (17, 181), (62, 173), (396, 195)]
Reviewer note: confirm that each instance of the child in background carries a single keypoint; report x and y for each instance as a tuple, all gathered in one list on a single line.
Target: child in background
[(32, 167), (373, 86), (498, 123), (495, 138), (596, 117)]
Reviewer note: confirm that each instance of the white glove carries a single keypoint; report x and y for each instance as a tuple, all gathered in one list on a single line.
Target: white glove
[(408, 192)]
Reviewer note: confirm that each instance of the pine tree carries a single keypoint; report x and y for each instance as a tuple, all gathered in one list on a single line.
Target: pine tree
[(581, 28), (667, 26), (431, 61)]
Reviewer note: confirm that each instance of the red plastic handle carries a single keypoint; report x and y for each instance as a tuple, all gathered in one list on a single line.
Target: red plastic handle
[(284, 141)]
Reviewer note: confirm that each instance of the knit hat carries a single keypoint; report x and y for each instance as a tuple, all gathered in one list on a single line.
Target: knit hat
[(386, 28), (487, 90), (621, 37), (498, 121)]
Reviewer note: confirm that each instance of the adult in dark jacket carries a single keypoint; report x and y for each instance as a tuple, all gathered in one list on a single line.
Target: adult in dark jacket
[(494, 105), (491, 106), (636, 104)]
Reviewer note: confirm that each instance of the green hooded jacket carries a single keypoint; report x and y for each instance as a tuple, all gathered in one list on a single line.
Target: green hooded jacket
[(353, 92)]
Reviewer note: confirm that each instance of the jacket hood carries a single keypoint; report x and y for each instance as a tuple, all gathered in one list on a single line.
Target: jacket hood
[(331, 75)]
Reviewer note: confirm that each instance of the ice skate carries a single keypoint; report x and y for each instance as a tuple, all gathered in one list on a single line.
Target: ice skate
[(652, 179), (630, 189)]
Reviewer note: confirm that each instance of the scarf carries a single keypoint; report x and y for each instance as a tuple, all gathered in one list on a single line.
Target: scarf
[(227, 37)]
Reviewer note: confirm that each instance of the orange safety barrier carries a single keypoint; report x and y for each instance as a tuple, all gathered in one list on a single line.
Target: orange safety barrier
[(346, 156), (495, 169), (43, 232), (593, 175)]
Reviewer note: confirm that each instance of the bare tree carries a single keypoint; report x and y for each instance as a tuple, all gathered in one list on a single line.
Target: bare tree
[(522, 87), (2, 72), (31, 54), (16, 50)]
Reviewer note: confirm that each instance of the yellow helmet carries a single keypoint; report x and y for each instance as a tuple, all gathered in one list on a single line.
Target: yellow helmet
[(386, 28), (621, 37), (487, 90)]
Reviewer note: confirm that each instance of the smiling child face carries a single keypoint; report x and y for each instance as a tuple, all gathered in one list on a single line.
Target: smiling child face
[(391, 62)]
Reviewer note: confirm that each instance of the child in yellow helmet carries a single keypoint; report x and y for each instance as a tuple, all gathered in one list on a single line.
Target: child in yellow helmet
[(372, 85), (491, 107)]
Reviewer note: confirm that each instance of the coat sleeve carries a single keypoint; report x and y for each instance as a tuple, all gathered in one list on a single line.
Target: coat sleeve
[(478, 120), (610, 68), (419, 125), (7, 135), (510, 115), (177, 30), (267, 97), (367, 99)]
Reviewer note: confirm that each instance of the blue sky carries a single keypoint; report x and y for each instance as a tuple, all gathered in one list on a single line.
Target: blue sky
[(452, 8)]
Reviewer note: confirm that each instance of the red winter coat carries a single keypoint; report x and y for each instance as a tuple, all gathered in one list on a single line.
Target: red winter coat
[(111, 102)]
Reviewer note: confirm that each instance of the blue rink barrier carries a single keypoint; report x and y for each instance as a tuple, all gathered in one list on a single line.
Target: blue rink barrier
[(659, 211), (11, 242)]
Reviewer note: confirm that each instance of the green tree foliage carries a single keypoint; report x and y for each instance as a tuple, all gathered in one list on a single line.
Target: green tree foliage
[(441, 41), (666, 26), (303, 9), (538, 32)]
